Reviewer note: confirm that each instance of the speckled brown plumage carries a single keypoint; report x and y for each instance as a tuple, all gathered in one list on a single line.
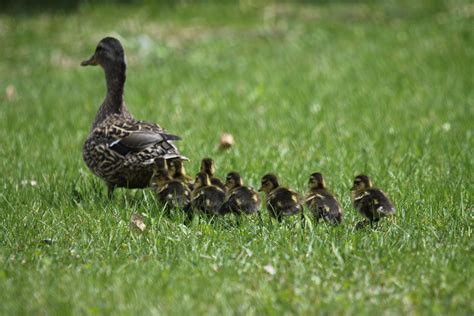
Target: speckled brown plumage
[(120, 149)]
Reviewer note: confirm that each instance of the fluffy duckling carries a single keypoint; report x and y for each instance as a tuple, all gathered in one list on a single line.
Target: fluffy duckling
[(206, 197), (208, 166), (321, 202), (177, 171), (239, 199), (171, 192), (371, 202), (280, 201)]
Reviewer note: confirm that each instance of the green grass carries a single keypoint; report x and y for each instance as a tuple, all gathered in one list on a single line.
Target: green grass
[(384, 89)]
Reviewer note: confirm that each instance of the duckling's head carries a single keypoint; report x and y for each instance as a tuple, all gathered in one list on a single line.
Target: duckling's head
[(160, 163), (161, 176), (269, 183), (207, 166), (361, 183), (202, 180), (109, 52), (176, 167), (233, 180), (316, 181)]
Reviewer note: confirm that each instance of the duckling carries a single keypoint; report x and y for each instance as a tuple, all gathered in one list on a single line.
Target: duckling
[(173, 193), (206, 197), (321, 202), (177, 171), (120, 149), (239, 198), (208, 166), (371, 202), (280, 201)]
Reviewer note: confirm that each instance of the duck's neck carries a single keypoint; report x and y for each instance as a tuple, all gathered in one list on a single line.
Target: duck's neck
[(113, 103), (317, 188), (115, 78)]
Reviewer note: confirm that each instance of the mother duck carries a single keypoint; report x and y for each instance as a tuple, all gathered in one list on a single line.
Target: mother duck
[(120, 149)]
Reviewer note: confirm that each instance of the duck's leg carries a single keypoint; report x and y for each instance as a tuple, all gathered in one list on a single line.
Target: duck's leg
[(303, 220), (260, 217), (189, 217), (362, 224), (110, 190), (237, 219)]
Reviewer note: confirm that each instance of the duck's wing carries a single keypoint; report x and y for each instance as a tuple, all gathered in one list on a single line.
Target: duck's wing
[(137, 141), (129, 136)]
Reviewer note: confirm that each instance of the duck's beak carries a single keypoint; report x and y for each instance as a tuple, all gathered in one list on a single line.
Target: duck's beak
[(260, 190), (89, 62)]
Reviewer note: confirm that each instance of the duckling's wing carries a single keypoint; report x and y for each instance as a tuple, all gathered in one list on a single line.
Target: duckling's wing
[(218, 183), (286, 201), (229, 202), (380, 202)]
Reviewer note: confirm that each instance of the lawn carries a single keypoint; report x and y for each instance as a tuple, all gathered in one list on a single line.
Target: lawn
[(382, 88)]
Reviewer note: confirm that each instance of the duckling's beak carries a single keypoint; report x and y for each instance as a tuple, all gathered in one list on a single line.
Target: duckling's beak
[(260, 190), (90, 62)]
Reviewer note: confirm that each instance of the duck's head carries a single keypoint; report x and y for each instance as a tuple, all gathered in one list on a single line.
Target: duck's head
[(269, 183), (202, 180), (207, 166), (316, 181), (109, 52), (233, 180), (361, 183)]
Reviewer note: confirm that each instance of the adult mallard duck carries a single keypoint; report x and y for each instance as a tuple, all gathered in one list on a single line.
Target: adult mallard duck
[(120, 149), (239, 199), (371, 202), (321, 202), (280, 201)]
